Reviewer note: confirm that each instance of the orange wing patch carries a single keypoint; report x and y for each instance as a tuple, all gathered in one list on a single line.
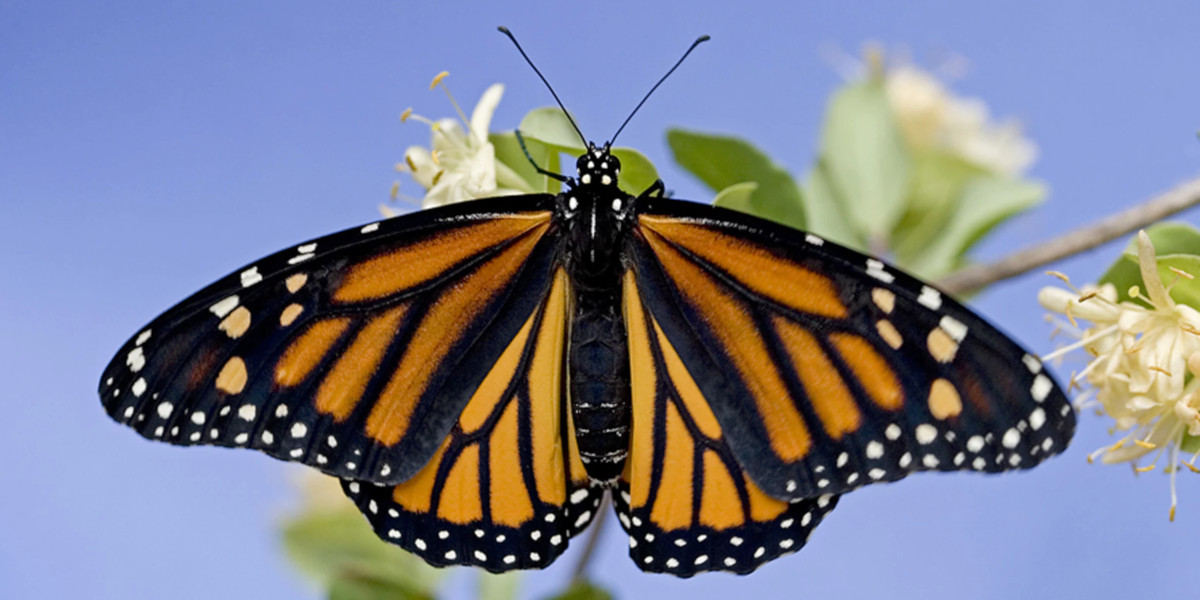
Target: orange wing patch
[(346, 383), (418, 263), (682, 485), (306, 351), (730, 320), (825, 389), (390, 416), (754, 266), (505, 483)]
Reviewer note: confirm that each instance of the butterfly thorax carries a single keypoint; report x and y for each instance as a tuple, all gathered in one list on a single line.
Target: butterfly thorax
[(596, 214)]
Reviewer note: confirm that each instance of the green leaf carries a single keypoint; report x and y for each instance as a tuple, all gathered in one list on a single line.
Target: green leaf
[(509, 154), (637, 172), (550, 127), (824, 213), (986, 202), (866, 156), (1174, 243), (722, 161), (498, 587), (1190, 443), (583, 590), (737, 197), (936, 187), (332, 545), (367, 588)]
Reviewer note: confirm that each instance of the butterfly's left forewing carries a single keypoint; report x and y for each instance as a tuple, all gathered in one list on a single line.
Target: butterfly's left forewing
[(354, 353), (506, 489), (829, 370)]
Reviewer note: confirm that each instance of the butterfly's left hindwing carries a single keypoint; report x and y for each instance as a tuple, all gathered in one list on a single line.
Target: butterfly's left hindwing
[(506, 489), (686, 502), (828, 370), (354, 353)]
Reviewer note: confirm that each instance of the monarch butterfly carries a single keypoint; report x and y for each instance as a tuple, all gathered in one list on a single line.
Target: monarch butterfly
[(480, 375)]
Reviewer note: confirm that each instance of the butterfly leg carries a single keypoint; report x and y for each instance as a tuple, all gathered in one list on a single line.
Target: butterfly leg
[(540, 170), (656, 190)]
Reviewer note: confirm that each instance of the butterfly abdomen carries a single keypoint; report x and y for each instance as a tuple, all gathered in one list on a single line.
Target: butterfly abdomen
[(599, 367)]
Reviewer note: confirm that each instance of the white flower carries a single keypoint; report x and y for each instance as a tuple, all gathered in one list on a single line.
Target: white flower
[(1142, 351), (460, 163), (931, 117)]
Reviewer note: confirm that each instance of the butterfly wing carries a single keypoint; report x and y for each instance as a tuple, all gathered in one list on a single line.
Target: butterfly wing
[(685, 501), (506, 489), (354, 353), (827, 369)]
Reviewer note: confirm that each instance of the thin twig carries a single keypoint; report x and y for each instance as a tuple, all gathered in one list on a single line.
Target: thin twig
[(1182, 196), (589, 546)]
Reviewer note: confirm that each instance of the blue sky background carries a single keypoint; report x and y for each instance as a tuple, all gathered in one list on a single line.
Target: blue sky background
[(148, 148)]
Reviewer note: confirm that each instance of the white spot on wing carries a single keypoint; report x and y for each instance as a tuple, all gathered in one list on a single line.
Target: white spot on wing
[(1012, 437), (926, 433), (369, 228), (892, 432), (143, 337), (1037, 418), (1041, 387), (814, 240), (875, 269), (953, 327), (1032, 363), (136, 359), (250, 277), (225, 306), (930, 298)]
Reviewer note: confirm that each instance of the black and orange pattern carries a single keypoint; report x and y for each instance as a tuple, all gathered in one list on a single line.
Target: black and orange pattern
[(856, 373), (732, 377)]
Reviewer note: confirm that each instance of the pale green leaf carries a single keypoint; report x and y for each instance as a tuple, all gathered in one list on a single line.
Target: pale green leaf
[(737, 197), (986, 202), (368, 588), (721, 161), (583, 590), (550, 125), (823, 208), (637, 172), (1170, 240), (328, 545), (866, 156), (936, 187), (499, 587), (509, 154)]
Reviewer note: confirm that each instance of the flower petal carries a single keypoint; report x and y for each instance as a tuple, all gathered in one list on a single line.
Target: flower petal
[(481, 117)]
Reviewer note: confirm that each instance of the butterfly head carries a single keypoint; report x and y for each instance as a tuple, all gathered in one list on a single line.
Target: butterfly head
[(597, 166)]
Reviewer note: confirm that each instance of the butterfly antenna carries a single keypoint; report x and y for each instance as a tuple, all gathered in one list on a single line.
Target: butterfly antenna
[(510, 35), (699, 40)]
